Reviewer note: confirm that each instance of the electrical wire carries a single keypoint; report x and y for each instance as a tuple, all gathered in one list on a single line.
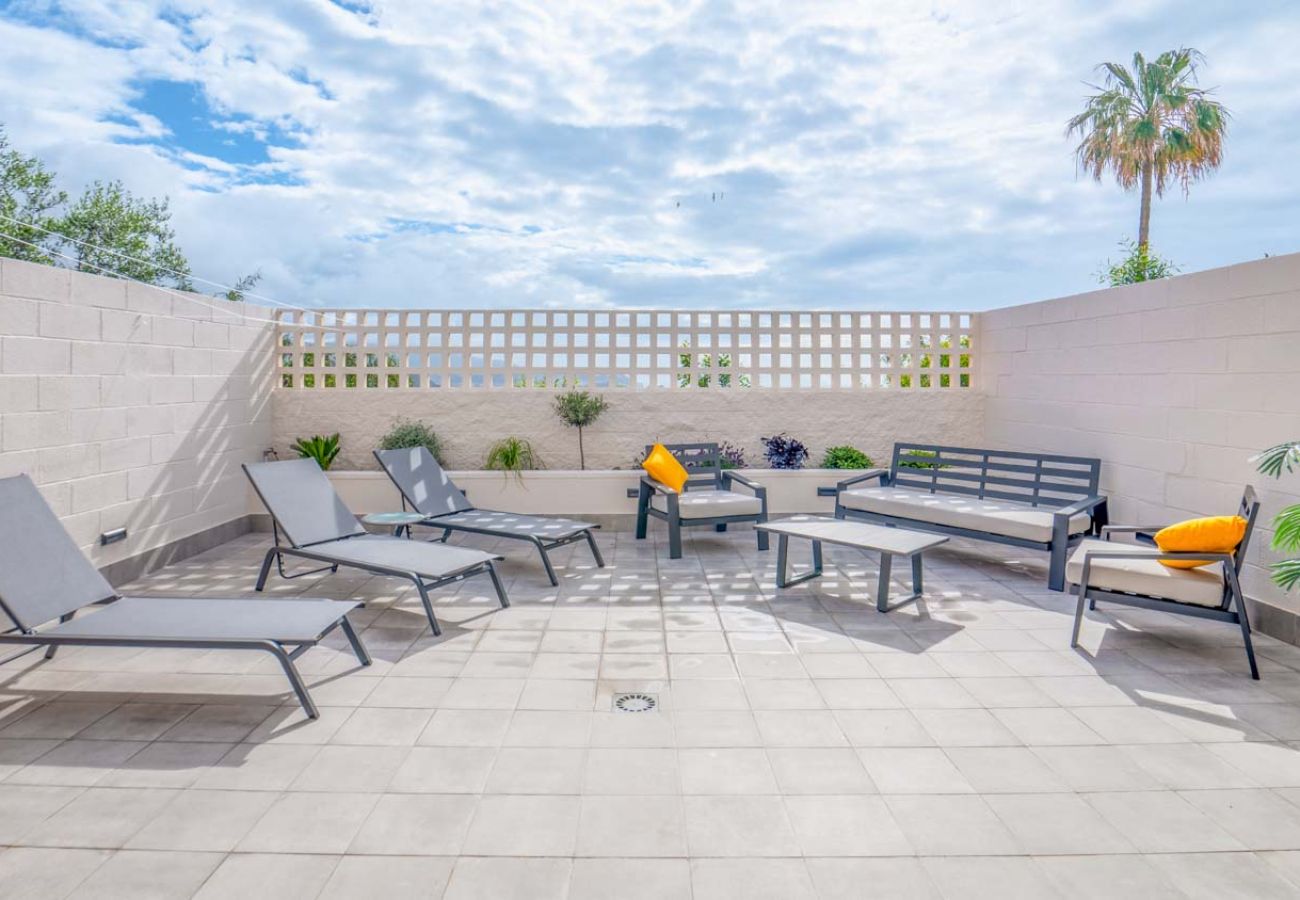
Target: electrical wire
[(192, 298), (135, 259)]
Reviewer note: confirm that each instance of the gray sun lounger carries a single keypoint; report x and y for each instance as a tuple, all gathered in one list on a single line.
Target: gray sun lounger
[(311, 521), (44, 576), (426, 488)]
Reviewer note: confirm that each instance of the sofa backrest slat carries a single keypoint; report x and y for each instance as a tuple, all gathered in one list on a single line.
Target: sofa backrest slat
[(1048, 479)]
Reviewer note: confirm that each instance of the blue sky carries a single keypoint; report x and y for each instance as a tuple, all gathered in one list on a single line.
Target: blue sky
[(757, 154)]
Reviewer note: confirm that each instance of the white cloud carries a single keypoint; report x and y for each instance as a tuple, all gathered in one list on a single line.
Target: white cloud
[(729, 154)]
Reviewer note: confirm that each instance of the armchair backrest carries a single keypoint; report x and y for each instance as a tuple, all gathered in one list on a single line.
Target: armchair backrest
[(1040, 479), (1248, 510), (703, 463)]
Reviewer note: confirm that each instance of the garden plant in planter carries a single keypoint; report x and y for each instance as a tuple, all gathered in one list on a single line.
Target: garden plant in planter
[(411, 433), (845, 457), (784, 452)]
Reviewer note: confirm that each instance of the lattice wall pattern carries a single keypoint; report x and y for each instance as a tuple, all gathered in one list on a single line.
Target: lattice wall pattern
[(468, 349)]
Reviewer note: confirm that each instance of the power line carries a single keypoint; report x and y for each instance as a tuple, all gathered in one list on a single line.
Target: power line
[(175, 293), (136, 259)]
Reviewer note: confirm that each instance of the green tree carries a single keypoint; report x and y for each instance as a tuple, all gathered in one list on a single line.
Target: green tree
[(28, 198), (110, 231), (235, 293), (578, 409), (1151, 125)]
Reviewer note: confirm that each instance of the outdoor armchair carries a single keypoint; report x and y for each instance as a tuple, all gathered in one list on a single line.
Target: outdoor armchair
[(45, 577), (1131, 574), (309, 520), (707, 498), (427, 489)]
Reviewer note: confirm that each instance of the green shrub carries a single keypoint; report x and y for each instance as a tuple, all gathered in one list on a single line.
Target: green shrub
[(411, 433), (513, 455), (320, 448), (913, 460), (845, 458)]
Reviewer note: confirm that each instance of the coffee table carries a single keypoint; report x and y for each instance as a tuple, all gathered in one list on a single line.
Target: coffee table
[(888, 542)]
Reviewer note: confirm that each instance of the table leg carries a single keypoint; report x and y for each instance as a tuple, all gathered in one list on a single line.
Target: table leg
[(782, 560), (783, 577), (882, 586)]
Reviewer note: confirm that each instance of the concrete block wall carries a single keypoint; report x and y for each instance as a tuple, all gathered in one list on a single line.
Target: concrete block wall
[(1175, 384), (470, 421), (129, 405)]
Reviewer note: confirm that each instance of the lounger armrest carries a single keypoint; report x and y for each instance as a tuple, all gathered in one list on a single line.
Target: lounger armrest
[(729, 477), (880, 474)]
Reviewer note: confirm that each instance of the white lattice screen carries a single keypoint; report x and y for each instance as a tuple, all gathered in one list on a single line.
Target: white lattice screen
[(459, 349)]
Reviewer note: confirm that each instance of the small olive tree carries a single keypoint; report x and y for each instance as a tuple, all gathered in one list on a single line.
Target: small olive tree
[(579, 409)]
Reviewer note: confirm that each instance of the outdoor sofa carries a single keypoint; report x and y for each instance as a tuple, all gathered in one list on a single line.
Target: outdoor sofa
[(44, 576), (1131, 574), (309, 520), (427, 490), (707, 498), (1040, 501)]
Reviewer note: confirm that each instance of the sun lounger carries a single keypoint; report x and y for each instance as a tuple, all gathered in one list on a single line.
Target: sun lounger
[(311, 521), (425, 487), (45, 577)]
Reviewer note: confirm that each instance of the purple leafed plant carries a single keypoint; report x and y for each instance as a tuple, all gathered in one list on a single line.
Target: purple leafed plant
[(784, 452), (733, 457)]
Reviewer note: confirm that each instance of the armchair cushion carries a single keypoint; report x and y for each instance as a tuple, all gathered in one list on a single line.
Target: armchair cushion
[(663, 467), (1214, 534), (1143, 575), (708, 504)]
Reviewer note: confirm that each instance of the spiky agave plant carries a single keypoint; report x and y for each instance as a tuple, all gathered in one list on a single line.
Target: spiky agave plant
[(1286, 524), (318, 447)]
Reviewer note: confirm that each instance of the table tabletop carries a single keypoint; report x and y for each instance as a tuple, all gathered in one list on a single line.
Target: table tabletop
[(897, 541)]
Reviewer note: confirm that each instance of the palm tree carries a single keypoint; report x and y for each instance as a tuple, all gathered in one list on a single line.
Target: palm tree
[(1151, 125)]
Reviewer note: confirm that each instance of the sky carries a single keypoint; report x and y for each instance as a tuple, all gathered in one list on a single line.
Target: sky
[(845, 155)]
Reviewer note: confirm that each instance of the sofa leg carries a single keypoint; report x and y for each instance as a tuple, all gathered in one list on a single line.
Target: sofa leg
[(1056, 568), (720, 527)]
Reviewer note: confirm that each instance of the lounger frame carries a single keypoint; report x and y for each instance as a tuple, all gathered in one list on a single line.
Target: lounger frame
[(283, 545), (441, 520)]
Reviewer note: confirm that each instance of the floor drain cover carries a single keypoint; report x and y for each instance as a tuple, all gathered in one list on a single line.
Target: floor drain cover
[(635, 702)]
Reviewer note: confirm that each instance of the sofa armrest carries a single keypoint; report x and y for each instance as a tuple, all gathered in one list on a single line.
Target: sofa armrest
[(735, 477), (1087, 504), (881, 474)]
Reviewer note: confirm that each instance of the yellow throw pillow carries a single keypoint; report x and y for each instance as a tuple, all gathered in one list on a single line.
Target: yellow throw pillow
[(1215, 534), (664, 468)]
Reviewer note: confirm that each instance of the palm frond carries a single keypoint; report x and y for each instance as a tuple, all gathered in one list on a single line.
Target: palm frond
[(1286, 573), (1272, 461), (1286, 530)]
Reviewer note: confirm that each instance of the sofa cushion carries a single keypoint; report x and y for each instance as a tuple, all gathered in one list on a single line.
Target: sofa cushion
[(1201, 587), (1002, 517), (1214, 534), (706, 504), (665, 468)]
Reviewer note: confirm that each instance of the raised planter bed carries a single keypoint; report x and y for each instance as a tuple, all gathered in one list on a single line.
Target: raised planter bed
[(595, 492)]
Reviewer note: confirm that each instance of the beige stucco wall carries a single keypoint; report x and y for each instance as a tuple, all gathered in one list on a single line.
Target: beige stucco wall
[(469, 421), (128, 405), (1174, 384)]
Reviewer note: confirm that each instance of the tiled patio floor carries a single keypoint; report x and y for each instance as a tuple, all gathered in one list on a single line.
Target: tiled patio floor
[(804, 746)]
